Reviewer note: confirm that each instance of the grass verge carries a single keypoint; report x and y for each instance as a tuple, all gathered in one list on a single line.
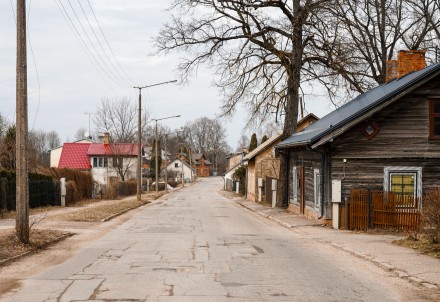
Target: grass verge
[(422, 245), (103, 212), (12, 248)]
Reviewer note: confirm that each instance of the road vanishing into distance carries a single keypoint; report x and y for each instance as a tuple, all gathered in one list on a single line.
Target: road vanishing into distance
[(197, 245)]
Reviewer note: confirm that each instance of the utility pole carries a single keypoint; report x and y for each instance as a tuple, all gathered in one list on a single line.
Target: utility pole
[(21, 169), (139, 155), (156, 168), (89, 114)]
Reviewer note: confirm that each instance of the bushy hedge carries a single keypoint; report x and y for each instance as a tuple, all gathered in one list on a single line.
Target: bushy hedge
[(10, 175), (79, 184), (120, 188), (431, 215)]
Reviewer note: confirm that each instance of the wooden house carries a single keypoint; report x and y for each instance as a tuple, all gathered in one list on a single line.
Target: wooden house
[(203, 165), (262, 164), (386, 139)]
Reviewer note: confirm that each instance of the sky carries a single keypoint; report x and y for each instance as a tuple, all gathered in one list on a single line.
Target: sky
[(65, 81)]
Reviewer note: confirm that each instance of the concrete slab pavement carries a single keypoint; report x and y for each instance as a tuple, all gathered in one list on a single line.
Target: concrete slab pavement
[(404, 262)]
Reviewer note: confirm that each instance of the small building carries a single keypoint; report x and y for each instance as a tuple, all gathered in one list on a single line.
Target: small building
[(107, 161), (263, 167), (203, 166), (175, 169)]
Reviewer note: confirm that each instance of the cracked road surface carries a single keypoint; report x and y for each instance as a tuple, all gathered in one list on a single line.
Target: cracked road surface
[(196, 245)]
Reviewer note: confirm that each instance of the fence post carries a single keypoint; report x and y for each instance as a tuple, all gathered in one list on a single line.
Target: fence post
[(63, 191), (369, 210), (346, 212)]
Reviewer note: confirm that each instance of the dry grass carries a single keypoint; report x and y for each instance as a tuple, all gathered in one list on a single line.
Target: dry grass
[(11, 247), (99, 213), (422, 245)]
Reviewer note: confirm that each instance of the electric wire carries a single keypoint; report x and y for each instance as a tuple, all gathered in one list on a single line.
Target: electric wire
[(94, 47), (108, 44), (75, 31), (35, 64), (102, 48)]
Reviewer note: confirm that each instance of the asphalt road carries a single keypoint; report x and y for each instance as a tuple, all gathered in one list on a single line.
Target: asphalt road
[(196, 245)]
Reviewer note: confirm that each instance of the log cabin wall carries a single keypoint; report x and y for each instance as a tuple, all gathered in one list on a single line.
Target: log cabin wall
[(310, 160), (402, 140)]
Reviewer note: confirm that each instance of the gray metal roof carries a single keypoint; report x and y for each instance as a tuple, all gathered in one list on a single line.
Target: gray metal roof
[(356, 107)]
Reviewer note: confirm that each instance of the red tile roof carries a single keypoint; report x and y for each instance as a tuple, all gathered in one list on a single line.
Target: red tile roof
[(74, 156), (112, 149)]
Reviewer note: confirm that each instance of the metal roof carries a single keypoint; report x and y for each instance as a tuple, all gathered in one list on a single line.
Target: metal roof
[(356, 107)]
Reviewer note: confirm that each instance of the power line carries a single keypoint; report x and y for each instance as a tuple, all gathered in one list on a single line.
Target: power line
[(102, 48), (35, 64), (75, 31), (108, 44), (93, 45)]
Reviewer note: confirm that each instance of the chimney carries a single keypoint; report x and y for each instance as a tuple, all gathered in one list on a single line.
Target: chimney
[(407, 61), (106, 138)]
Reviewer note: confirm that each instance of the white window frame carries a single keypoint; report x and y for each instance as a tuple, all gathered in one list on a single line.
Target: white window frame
[(294, 185), (317, 188), (406, 169)]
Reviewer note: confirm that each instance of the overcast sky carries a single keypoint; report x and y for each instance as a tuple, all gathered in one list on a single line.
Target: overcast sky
[(72, 83)]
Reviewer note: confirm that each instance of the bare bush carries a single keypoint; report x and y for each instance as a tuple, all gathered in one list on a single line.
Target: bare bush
[(431, 215)]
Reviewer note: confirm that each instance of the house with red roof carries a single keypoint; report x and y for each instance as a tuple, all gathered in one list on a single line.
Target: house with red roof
[(106, 161), (55, 154)]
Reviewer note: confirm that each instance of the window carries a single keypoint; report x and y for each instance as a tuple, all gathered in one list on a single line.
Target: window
[(370, 129), (434, 119), (100, 162), (405, 182), (317, 189), (294, 185), (176, 165)]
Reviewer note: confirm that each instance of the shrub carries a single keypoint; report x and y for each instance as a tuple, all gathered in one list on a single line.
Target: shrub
[(431, 215), (83, 182), (240, 176), (120, 188)]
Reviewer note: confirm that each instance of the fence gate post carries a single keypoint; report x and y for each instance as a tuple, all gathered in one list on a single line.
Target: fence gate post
[(63, 191)]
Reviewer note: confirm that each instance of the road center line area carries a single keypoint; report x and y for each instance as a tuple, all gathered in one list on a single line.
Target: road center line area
[(197, 245)]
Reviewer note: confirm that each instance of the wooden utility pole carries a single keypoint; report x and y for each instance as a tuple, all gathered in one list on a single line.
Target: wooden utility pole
[(22, 176)]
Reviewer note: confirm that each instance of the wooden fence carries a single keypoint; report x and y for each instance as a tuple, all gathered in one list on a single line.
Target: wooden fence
[(382, 210)]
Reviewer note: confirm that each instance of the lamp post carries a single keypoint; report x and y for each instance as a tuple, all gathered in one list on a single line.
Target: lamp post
[(166, 170), (139, 155), (156, 147)]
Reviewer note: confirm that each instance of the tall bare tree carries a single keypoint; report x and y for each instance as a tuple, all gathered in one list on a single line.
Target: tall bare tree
[(53, 140), (355, 39), (80, 134), (207, 136), (257, 48), (119, 119)]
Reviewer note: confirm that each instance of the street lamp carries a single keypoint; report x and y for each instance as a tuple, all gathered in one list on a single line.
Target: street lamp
[(139, 155), (166, 170), (155, 135)]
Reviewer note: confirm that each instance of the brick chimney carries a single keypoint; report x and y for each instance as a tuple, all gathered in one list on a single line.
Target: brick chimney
[(407, 61), (106, 138)]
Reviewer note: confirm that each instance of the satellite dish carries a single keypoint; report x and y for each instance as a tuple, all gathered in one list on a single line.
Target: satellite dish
[(86, 134)]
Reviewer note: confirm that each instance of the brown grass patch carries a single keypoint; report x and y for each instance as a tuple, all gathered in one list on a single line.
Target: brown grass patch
[(423, 245), (99, 213), (11, 247)]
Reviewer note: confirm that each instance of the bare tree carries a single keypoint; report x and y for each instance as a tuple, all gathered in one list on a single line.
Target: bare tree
[(243, 142), (80, 134), (119, 119), (4, 124), (257, 48), (7, 149), (53, 140), (355, 39), (207, 136)]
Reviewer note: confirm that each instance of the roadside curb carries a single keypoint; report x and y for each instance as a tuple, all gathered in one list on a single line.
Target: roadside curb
[(385, 266)]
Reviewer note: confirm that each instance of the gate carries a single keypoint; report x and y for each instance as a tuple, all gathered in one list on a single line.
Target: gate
[(384, 210)]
